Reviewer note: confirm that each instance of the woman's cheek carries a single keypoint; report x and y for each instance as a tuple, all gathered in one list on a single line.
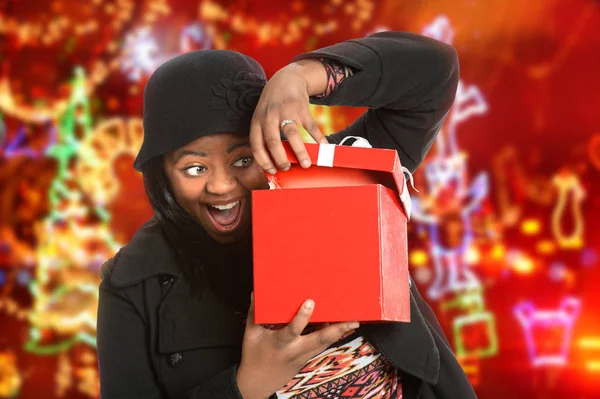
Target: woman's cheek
[(189, 190)]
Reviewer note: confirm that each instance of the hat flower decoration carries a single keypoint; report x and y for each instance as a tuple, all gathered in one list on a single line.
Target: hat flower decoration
[(239, 96)]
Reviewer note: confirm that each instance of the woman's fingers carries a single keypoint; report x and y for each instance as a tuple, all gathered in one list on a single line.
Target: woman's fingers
[(265, 135), (293, 330), (257, 142), (272, 138), (251, 326), (318, 341), (292, 134)]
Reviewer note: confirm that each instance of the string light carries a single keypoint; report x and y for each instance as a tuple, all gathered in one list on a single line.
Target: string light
[(286, 33), (61, 27), (99, 71)]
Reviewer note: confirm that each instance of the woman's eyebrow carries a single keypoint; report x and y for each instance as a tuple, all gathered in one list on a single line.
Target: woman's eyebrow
[(238, 145), (189, 152)]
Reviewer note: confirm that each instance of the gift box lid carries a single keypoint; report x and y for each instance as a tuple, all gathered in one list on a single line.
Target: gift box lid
[(343, 165)]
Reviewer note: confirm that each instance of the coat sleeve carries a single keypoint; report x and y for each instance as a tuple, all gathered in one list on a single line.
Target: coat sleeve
[(407, 81), (124, 360), (452, 380)]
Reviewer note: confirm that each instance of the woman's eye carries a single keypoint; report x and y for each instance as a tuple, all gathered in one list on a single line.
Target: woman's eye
[(195, 171), (243, 162)]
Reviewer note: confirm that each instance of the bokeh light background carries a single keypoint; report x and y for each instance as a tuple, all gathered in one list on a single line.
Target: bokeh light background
[(504, 239)]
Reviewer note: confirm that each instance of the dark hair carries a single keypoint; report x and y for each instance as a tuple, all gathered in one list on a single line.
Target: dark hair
[(227, 268)]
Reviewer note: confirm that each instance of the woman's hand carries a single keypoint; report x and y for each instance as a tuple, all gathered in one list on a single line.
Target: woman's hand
[(271, 358), (286, 97)]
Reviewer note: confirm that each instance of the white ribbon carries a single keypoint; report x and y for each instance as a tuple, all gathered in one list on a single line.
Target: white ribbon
[(326, 153), (405, 196), (360, 142), (410, 178)]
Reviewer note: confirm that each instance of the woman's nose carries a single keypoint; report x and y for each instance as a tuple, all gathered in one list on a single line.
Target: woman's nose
[(221, 182)]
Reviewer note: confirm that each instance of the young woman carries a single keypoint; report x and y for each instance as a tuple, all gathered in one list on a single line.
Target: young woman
[(175, 317)]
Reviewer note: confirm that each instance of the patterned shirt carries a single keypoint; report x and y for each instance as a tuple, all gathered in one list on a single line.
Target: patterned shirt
[(349, 369)]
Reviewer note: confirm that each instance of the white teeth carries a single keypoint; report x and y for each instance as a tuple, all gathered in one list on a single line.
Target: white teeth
[(225, 207)]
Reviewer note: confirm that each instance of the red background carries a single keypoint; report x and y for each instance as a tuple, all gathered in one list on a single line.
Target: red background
[(535, 63)]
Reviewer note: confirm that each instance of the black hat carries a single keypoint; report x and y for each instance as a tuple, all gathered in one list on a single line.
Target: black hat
[(196, 94)]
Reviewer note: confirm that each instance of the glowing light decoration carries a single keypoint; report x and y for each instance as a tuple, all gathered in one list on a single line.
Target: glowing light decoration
[(469, 102), (591, 345), (512, 181), (110, 140), (62, 27), (17, 146), (10, 378), (470, 366), (140, 54), (556, 324), (440, 29), (194, 37), (520, 262), (71, 244), (54, 109), (567, 184), (77, 115), (448, 190), (486, 321), (452, 268), (474, 328), (222, 22)]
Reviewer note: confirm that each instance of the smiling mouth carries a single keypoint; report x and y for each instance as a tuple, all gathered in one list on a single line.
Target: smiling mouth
[(225, 217)]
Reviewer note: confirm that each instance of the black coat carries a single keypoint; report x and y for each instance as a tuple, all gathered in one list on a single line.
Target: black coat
[(155, 340)]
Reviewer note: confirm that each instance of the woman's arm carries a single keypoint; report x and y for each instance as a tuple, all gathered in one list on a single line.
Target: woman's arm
[(407, 81)]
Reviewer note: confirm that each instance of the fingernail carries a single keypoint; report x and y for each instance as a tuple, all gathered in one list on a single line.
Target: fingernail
[(286, 168), (305, 163), (324, 140), (354, 326), (272, 171), (309, 304)]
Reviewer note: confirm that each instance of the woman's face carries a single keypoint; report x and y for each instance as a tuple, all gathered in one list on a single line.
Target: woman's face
[(212, 178)]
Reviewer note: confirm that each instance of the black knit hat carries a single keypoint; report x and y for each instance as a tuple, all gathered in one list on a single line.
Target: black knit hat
[(196, 94)]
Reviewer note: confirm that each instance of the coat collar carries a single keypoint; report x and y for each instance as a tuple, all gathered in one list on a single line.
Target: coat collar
[(183, 324), (147, 254)]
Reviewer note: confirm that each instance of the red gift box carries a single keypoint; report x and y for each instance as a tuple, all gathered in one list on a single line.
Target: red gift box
[(334, 233)]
